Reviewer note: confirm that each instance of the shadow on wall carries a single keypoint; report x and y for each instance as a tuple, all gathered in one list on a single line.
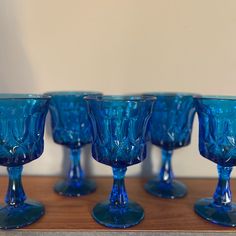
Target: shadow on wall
[(146, 165), (16, 75), (86, 161)]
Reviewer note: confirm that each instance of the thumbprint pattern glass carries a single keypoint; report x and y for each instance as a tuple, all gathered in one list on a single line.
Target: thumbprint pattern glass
[(217, 142), (22, 121), (119, 136), (170, 128), (71, 128)]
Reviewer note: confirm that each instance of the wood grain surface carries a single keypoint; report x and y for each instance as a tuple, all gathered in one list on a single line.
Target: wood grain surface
[(73, 214)]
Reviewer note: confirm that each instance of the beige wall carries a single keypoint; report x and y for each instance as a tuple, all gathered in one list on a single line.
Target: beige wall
[(119, 46)]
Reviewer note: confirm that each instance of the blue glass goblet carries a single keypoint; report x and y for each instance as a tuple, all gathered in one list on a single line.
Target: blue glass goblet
[(170, 128), (22, 120), (119, 129), (71, 127), (217, 142)]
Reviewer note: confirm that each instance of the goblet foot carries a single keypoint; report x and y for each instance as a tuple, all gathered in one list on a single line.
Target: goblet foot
[(222, 215), (115, 217), (174, 189), (12, 217), (75, 187)]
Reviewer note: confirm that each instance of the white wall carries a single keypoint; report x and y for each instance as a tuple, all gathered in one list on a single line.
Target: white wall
[(119, 47)]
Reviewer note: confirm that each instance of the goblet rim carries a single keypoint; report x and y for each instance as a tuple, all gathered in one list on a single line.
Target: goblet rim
[(172, 94), (120, 98), (72, 93), (23, 96), (217, 97)]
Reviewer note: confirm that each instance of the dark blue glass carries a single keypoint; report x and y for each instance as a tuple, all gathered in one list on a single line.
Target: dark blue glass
[(22, 120), (170, 128), (71, 127), (119, 140), (217, 142)]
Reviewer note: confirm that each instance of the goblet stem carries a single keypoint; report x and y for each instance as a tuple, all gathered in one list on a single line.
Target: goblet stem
[(118, 197), (222, 195), (166, 173), (15, 195), (76, 171)]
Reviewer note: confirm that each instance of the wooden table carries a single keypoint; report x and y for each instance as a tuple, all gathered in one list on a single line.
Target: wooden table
[(71, 216)]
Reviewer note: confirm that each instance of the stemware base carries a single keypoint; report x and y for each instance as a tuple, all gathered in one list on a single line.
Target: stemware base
[(115, 217), (174, 189), (13, 217), (207, 209), (75, 187)]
